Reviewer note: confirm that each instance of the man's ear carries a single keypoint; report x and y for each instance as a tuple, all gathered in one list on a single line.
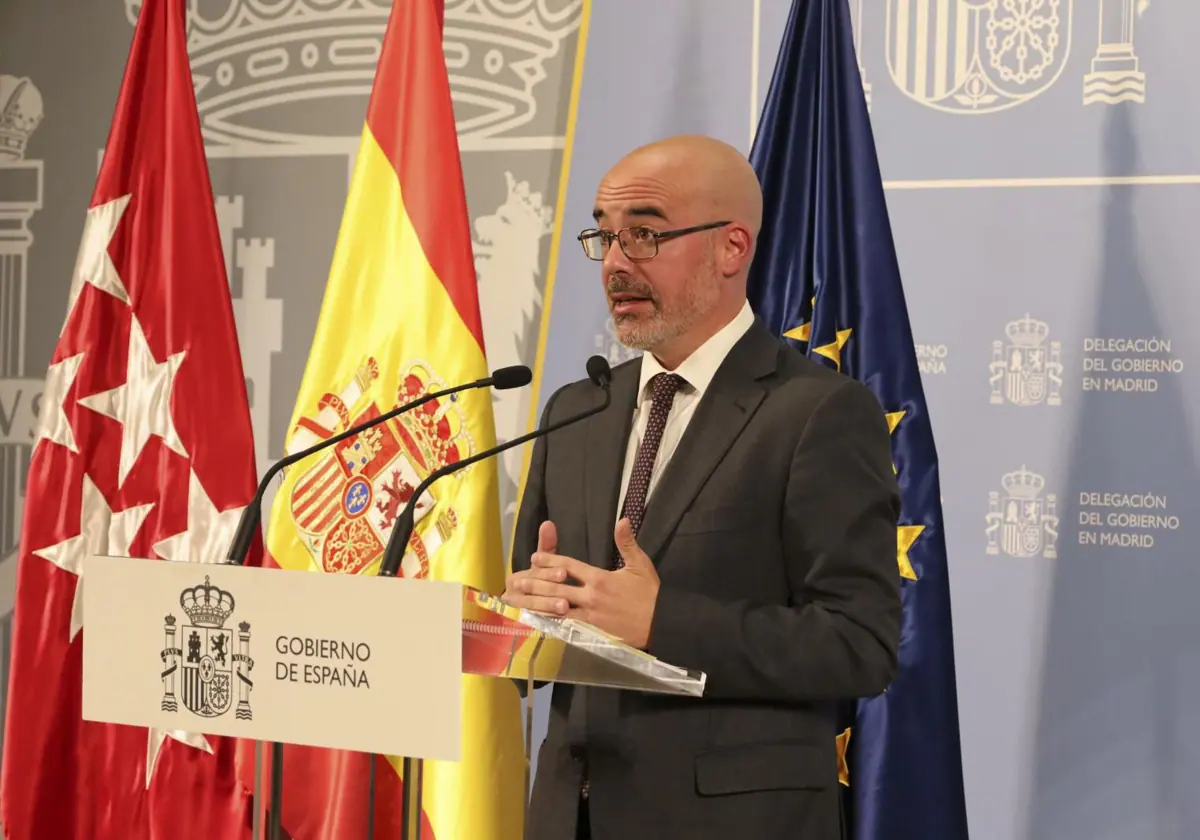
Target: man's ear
[(737, 251)]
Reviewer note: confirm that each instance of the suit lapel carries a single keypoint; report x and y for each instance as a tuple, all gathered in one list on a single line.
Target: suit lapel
[(605, 457), (726, 407)]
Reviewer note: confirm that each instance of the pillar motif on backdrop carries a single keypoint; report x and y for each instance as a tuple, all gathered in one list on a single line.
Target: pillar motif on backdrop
[(21, 195), (1115, 75)]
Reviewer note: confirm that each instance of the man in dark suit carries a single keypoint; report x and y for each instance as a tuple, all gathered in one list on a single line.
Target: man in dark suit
[(733, 511)]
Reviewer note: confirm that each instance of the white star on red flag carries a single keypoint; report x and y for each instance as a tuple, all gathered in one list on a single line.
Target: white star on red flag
[(93, 264), (157, 737), (102, 531), (209, 531), (142, 403), (54, 425)]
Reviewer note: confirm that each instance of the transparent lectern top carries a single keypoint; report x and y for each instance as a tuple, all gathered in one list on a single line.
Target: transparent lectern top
[(504, 641)]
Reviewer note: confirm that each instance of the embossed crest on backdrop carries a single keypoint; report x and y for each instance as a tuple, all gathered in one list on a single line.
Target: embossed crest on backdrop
[(1021, 522), (1026, 368), (983, 56), (250, 57)]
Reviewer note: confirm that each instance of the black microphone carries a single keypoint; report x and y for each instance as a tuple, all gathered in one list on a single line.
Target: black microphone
[(601, 376), (516, 376)]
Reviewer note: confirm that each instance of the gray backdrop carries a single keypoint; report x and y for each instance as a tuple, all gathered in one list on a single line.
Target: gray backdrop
[(1043, 180)]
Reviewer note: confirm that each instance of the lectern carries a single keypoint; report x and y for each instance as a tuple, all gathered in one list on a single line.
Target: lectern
[(354, 662)]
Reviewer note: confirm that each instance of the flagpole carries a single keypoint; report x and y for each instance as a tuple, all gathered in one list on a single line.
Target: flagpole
[(755, 38), (371, 798), (275, 813), (410, 814)]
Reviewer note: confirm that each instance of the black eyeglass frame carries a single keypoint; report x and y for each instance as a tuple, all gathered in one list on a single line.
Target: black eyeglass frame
[(607, 237)]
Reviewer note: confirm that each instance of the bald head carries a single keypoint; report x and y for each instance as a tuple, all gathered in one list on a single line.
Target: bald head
[(704, 172), (687, 210)]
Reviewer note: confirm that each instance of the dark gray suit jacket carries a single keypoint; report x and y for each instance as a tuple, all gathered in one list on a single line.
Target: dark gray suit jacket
[(773, 529)]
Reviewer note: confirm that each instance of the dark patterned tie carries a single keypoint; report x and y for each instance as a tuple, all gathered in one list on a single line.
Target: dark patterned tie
[(663, 386)]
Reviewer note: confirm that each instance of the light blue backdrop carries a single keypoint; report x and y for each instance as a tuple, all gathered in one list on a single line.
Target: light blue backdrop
[(1043, 241)]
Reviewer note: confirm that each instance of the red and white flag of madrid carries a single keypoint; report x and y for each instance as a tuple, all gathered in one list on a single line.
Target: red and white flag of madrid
[(144, 449)]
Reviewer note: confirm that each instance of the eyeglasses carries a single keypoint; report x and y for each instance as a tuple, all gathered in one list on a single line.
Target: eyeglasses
[(638, 243)]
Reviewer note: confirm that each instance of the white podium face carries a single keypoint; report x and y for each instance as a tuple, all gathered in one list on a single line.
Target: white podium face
[(342, 661)]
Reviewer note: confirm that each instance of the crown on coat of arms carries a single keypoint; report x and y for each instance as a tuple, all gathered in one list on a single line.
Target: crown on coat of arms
[(20, 113), (1027, 332), (206, 605), (436, 428), (252, 56), (1023, 484)]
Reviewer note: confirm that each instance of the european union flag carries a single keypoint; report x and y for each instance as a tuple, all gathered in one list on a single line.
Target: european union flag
[(826, 276)]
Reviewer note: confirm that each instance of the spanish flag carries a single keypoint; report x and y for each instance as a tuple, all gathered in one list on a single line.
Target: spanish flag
[(400, 318)]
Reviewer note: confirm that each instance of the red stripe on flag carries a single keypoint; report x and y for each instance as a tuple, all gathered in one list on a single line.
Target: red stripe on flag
[(412, 90)]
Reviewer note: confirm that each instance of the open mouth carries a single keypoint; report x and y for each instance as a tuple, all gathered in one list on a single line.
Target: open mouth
[(630, 303)]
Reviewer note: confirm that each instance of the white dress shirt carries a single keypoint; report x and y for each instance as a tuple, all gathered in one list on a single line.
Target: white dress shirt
[(697, 370)]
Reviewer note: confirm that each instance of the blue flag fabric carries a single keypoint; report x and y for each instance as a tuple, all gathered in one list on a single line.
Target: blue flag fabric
[(826, 276)]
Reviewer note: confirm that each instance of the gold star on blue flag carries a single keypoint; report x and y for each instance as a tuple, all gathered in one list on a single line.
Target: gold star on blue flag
[(827, 278)]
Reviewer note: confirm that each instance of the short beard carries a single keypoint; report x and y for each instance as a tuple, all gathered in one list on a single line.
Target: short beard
[(662, 327)]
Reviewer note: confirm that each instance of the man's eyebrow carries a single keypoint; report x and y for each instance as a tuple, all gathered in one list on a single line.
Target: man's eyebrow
[(648, 210), (637, 210)]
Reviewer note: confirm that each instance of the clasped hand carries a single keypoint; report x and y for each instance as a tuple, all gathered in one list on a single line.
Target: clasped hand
[(619, 602)]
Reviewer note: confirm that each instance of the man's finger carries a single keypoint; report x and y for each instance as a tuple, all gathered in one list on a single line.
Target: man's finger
[(536, 603), (575, 568), (543, 588), (547, 537), (554, 573), (631, 552)]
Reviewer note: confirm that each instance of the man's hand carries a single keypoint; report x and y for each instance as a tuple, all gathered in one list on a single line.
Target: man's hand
[(532, 589), (620, 602)]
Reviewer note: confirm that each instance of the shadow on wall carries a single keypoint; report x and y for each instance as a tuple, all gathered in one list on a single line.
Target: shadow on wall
[(1117, 749)]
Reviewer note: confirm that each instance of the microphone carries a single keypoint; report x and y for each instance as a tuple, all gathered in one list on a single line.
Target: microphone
[(516, 376), (601, 376)]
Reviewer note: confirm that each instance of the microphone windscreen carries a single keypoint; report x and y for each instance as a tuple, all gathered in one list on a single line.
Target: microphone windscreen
[(598, 371), (516, 376)]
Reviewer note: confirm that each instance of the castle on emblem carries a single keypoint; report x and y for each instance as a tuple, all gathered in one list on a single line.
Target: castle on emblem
[(204, 673), (1021, 523), (1025, 370)]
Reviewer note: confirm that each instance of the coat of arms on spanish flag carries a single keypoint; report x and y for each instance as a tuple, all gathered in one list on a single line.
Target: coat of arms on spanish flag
[(400, 318)]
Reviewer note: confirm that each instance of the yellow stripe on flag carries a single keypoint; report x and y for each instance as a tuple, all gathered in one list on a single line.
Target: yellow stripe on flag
[(386, 318)]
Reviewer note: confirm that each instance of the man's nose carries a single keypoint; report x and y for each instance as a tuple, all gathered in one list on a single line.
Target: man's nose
[(615, 261)]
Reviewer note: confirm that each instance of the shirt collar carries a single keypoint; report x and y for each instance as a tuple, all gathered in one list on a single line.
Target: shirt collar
[(699, 368)]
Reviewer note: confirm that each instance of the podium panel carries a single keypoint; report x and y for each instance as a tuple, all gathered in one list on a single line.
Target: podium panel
[(366, 663), (342, 661)]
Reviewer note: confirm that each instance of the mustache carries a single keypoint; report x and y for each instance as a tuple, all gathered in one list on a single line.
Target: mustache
[(623, 284)]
